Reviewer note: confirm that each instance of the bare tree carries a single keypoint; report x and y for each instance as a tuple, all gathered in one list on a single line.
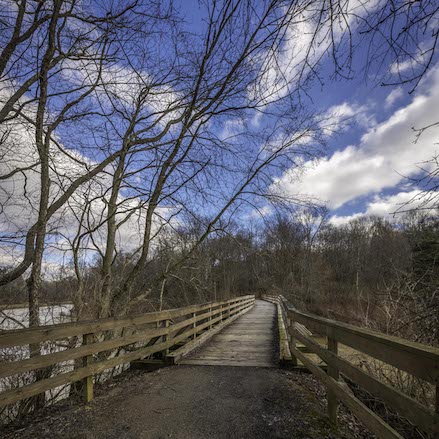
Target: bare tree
[(164, 120)]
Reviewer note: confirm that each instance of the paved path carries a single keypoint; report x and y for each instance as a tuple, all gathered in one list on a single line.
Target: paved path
[(249, 341)]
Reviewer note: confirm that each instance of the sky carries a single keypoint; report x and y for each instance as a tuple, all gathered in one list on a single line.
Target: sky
[(365, 167), (368, 166)]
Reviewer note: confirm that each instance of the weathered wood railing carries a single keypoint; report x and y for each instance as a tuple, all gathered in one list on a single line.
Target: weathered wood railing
[(412, 358), (154, 332)]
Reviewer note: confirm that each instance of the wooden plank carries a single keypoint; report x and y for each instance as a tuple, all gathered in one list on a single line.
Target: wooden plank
[(228, 362), (17, 394), (11, 338), (406, 406), (14, 395), (237, 355), (242, 359), (210, 317), (16, 367), (239, 344), (292, 341), (284, 349), (415, 358), (166, 337), (175, 356), (240, 338), (238, 349), (373, 422), (179, 328)]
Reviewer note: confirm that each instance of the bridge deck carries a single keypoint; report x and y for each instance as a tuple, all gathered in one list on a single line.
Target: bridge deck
[(249, 341)]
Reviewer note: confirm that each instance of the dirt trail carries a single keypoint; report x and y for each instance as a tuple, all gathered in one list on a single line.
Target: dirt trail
[(191, 402)]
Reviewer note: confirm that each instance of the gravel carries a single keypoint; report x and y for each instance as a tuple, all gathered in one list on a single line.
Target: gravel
[(191, 402)]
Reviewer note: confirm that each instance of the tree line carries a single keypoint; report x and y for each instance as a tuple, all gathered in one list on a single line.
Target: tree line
[(371, 271)]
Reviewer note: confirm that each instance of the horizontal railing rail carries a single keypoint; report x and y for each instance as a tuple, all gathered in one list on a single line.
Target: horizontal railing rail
[(419, 360), (172, 327)]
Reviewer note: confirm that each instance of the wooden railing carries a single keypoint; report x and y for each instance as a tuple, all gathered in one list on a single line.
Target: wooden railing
[(140, 336), (412, 358)]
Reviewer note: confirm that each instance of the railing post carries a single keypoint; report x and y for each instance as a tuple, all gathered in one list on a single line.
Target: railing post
[(88, 360), (165, 337), (334, 373), (437, 400), (291, 339), (210, 317), (194, 325)]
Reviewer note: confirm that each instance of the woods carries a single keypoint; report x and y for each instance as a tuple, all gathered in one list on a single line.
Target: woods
[(134, 145), (139, 159), (370, 272)]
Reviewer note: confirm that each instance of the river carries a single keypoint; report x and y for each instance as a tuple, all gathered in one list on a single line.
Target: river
[(17, 317)]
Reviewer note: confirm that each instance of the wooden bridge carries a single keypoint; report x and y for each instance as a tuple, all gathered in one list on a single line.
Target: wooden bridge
[(250, 341), (242, 332)]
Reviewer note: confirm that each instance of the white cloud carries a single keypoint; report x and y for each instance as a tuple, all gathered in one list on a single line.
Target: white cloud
[(124, 86), (19, 195), (306, 40), (261, 212), (385, 155), (338, 221), (342, 115), (19, 199), (393, 96), (231, 128), (385, 206), (413, 61)]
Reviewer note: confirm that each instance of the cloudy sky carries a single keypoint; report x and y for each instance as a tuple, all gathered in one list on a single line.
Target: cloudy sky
[(366, 168)]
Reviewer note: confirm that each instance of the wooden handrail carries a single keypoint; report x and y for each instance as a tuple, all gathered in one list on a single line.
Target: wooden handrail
[(202, 317), (39, 334), (34, 363), (419, 360)]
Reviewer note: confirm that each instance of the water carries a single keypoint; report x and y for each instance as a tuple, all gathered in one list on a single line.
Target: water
[(14, 318), (18, 318)]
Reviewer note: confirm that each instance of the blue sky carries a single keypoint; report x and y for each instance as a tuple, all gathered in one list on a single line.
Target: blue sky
[(363, 166), (363, 169), (379, 140)]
